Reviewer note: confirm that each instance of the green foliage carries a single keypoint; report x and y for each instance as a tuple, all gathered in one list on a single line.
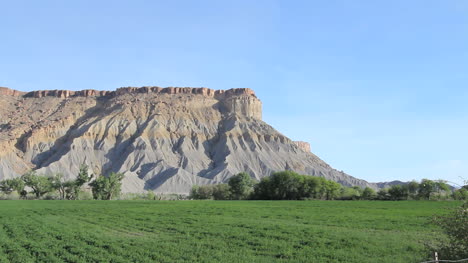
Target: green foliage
[(455, 226), (202, 192), (70, 189), (288, 185), (39, 184), (460, 194), (83, 176), (426, 188), (59, 184), (85, 195), (332, 189), (230, 231), (73, 188), (240, 186), (221, 192), (382, 194), (284, 185), (350, 193), (398, 192), (10, 185), (107, 187), (413, 187), (150, 195), (213, 191), (313, 187), (369, 194)]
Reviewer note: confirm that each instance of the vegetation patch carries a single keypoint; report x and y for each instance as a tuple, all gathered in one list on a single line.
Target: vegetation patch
[(224, 231)]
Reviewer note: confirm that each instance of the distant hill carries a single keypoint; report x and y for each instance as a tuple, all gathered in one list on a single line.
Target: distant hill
[(389, 184)]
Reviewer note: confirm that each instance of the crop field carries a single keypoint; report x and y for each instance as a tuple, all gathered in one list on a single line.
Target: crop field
[(216, 231)]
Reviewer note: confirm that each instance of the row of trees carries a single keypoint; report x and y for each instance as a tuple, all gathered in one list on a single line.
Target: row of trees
[(425, 190), (288, 185), (103, 187)]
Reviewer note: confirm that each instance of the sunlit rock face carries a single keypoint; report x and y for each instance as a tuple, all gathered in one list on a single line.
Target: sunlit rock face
[(163, 139)]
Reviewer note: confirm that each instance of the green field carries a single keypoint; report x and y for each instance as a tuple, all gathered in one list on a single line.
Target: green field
[(216, 231)]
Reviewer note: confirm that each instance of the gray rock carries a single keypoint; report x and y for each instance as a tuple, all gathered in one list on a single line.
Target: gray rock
[(163, 140)]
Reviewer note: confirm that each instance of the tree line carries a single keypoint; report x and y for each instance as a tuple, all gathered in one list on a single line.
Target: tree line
[(424, 190), (285, 185), (36, 186), (288, 185)]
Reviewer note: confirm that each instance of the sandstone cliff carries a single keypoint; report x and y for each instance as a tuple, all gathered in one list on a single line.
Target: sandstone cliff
[(163, 139)]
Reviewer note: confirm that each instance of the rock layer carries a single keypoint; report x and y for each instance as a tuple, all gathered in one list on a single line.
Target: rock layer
[(164, 139)]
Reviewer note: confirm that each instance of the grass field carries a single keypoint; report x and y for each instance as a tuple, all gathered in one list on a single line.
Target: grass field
[(216, 231)]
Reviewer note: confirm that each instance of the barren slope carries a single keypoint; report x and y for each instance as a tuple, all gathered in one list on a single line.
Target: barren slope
[(164, 140)]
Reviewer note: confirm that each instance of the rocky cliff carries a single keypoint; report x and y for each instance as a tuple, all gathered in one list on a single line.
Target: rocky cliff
[(163, 139)]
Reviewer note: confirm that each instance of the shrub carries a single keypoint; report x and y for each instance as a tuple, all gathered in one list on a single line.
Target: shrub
[(221, 192), (202, 192), (455, 226)]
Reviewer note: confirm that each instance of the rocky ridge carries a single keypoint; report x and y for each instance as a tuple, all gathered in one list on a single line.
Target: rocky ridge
[(163, 139)]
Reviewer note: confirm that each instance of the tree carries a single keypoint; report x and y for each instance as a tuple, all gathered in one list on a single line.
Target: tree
[(286, 185), (221, 192), (426, 188), (202, 192), (107, 187), (313, 187), (398, 192), (59, 184), (262, 189), (413, 187), (39, 184), (442, 188), (74, 187), (331, 189), (349, 193), (240, 186), (10, 185), (382, 194), (83, 175), (368, 194)]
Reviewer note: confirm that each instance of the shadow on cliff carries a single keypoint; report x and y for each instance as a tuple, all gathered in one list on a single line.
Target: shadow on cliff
[(122, 149), (217, 148), (159, 179), (63, 144)]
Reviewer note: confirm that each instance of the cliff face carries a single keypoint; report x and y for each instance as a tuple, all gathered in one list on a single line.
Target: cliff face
[(163, 139), (305, 146)]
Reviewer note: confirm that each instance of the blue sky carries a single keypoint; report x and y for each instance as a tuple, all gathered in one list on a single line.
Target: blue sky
[(379, 88)]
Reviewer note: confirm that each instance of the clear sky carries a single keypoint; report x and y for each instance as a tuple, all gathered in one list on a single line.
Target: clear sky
[(378, 88)]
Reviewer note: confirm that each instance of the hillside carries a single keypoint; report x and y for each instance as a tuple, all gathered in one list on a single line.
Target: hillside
[(163, 139)]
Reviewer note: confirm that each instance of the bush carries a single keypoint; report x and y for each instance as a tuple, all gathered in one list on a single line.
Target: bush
[(349, 193), (455, 226), (460, 194), (216, 191), (85, 195)]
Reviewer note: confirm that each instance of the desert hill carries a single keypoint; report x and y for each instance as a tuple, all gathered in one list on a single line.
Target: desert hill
[(163, 139)]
